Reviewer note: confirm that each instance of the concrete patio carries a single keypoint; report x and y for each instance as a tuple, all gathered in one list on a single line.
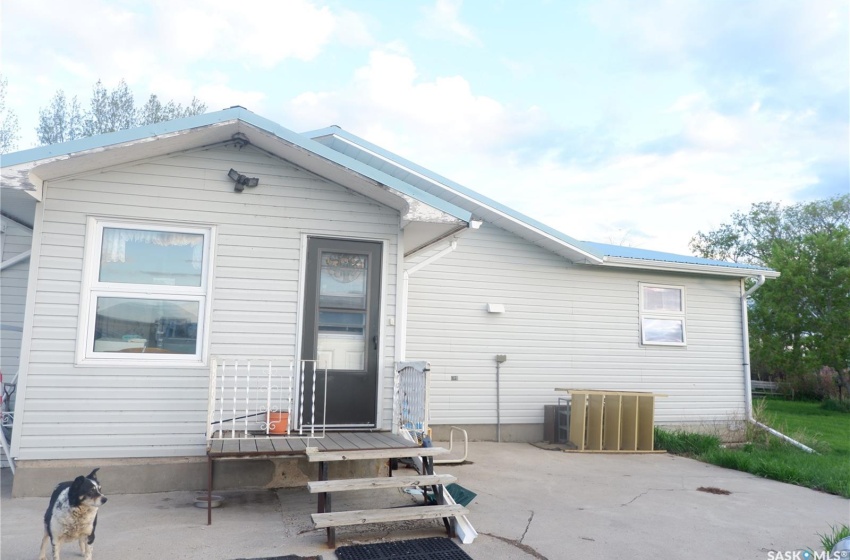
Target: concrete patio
[(532, 503)]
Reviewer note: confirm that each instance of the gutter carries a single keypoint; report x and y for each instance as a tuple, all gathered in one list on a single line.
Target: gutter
[(748, 387), (720, 270)]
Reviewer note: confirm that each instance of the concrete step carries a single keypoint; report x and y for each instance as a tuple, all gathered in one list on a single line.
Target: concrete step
[(362, 517), (344, 485)]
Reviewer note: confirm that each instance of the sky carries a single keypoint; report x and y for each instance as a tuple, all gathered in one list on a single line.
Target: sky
[(633, 123)]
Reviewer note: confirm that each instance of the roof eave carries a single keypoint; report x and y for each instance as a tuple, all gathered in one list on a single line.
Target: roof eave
[(574, 250), (714, 270)]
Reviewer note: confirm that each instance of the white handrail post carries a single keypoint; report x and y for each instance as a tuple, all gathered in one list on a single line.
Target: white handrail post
[(221, 402), (289, 401), (211, 398), (247, 397), (268, 400), (233, 420)]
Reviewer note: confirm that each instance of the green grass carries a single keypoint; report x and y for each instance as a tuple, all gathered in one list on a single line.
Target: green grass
[(828, 432), (829, 429)]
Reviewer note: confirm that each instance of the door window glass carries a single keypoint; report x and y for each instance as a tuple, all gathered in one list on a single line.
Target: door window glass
[(343, 281)]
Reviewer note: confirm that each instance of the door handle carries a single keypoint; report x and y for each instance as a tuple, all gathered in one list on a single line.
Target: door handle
[(375, 341)]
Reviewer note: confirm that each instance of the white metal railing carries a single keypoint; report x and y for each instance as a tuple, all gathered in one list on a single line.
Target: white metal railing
[(246, 397), (412, 391), (7, 419)]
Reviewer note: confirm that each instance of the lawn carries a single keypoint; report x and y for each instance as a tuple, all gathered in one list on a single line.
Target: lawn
[(827, 429), (828, 432)]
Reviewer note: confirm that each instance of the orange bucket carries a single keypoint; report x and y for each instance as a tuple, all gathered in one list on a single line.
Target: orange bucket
[(278, 422)]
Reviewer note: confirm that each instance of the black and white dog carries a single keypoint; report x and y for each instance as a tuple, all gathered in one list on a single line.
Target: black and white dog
[(72, 515)]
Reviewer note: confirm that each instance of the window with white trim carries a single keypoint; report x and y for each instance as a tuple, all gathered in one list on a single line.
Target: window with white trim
[(146, 292), (662, 315)]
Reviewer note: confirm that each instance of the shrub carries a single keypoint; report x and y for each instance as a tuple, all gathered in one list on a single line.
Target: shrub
[(815, 385), (836, 405)]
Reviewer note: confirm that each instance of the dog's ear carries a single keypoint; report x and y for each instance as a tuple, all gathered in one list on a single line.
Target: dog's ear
[(92, 475), (75, 491)]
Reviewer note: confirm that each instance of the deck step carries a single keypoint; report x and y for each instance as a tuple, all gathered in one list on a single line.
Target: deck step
[(362, 517), (316, 486), (316, 456)]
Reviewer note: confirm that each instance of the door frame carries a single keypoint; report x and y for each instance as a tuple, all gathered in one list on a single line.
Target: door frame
[(382, 312)]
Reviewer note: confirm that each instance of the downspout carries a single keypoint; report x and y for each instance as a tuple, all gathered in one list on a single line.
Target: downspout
[(748, 387), (405, 284), (15, 260), (404, 292)]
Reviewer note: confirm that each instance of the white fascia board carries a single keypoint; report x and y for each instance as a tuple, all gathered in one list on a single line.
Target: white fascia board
[(475, 201), (621, 262)]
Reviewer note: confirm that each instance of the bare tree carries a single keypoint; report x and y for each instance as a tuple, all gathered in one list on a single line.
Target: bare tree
[(108, 111), (8, 123)]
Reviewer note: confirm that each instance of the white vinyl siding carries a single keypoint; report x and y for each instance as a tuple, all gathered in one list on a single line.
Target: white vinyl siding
[(17, 239), (564, 326), (149, 411)]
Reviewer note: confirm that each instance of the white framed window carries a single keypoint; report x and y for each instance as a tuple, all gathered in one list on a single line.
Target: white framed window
[(662, 315), (146, 293)]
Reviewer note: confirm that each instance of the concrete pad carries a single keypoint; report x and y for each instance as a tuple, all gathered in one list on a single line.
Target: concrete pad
[(532, 503)]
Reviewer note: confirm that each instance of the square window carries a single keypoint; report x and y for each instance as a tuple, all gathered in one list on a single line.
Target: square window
[(135, 256), (662, 331), (662, 299), (662, 315), (145, 293), (166, 326)]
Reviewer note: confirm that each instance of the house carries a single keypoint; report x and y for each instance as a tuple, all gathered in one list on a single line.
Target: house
[(225, 235)]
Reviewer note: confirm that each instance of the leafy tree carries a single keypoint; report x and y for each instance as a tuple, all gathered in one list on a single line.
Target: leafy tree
[(799, 322), (108, 111), (8, 123)]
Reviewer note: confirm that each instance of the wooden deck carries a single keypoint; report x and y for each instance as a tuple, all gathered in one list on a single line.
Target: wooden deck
[(272, 446)]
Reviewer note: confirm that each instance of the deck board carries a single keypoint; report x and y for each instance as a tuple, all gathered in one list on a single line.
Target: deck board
[(269, 446)]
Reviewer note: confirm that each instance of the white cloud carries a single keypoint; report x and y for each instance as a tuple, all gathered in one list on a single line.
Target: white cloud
[(656, 201), (257, 34), (443, 21), (387, 90), (162, 47)]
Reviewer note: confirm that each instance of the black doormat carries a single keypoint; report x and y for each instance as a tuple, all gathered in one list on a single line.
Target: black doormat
[(288, 557), (433, 548)]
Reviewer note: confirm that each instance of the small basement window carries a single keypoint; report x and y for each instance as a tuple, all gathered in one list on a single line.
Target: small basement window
[(146, 293), (662, 315)]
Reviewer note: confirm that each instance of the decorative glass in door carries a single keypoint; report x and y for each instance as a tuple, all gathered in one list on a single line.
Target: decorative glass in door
[(343, 294)]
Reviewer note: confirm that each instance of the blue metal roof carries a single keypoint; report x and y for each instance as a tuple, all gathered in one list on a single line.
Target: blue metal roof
[(598, 249), (649, 255), (121, 136), (231, 114), (480, 198), (365, 164)]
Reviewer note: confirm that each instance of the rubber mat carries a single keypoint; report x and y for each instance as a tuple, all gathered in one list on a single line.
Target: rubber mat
[(289, 557), (434, 548)]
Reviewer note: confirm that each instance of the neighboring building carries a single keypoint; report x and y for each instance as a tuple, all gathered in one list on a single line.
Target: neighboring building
[(149, 258)]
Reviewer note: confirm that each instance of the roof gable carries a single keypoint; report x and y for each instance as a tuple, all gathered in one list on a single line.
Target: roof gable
[(26, 170), (479, 205), (516, 222)]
